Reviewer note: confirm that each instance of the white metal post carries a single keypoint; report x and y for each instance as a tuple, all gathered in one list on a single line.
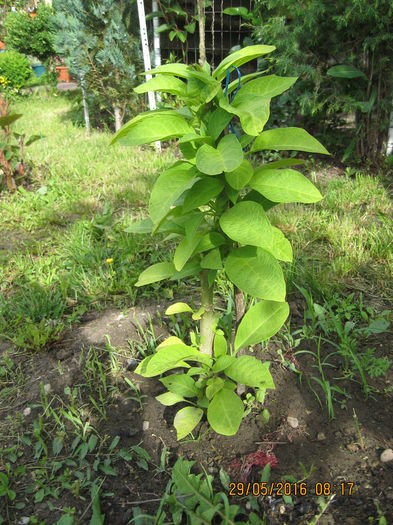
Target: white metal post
[(156, 40), (157, 46), (146, 55)]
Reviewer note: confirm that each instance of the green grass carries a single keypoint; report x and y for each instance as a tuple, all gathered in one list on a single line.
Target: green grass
[(344, 242), (59, 233)]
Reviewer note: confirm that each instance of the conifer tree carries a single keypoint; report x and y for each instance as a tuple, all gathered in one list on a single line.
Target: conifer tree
[(97, 40)]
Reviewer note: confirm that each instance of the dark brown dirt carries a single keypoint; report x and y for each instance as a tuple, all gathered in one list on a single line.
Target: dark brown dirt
[(333, 447)]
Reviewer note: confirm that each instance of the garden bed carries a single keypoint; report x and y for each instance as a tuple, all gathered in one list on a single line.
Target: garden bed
[(338, 451), (68, 270)]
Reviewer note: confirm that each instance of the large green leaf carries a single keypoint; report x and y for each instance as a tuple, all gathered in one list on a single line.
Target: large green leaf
[(209, 241), (212, 261), (202, 192), (238, 58), (260, 199), (194, 137), (169, 399), (189, 269), (186, 419), (281, 248), (218, 121), (178, 70), (168, 188), (215, 384), (151, 126), (246, 223), (220, 344), (178, 308), (205, 84), (241, 176), (288, 139), (156, 272), (226, 157), (248, 370), (185, 249), (180, 384), (252, 110), (261, 322), (164, 84), (282, 163), (269, 86), (165, 359), (225, 412), (222, 362), (245, 78), (344, 71), (284, 185), (256, 273)]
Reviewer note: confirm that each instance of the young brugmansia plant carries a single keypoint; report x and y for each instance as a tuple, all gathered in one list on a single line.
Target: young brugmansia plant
[(215, 202)]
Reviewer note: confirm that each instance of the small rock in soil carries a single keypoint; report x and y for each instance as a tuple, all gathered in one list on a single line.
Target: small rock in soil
[(145, 425), (131, 364), (387, 455), (292, 422), (27, 411), (352, 447), (47, 388), (348, 429), (24, 520), (321, 436)]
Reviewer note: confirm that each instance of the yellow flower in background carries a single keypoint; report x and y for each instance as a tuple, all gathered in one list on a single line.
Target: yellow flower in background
[(109, 261)]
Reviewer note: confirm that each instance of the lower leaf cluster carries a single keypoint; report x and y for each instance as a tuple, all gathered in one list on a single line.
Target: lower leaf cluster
[(206, 385)]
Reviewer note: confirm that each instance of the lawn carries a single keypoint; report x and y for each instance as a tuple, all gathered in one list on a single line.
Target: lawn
[(75, 441)]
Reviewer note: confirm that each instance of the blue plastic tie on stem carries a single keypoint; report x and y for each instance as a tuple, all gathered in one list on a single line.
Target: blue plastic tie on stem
[(230, 98), (239, 77)]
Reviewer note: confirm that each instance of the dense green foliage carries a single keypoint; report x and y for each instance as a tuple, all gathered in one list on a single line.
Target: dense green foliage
[(15, 68), (98, 44), (215, 201), (349, 106), (31, 36)]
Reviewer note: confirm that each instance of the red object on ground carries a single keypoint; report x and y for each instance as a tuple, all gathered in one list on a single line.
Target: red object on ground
[(260, 458), (63, 74)]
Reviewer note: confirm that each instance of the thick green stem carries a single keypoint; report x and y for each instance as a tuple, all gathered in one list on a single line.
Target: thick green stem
[(207, 319)]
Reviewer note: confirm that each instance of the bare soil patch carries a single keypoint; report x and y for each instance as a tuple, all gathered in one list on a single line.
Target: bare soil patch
[(335, 448)]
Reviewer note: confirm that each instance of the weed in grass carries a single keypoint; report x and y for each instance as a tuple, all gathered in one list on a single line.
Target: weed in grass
[(11, 376), (341, 323), (330, 391), (358, 430), (138, 397), (323, 506), (149, 341)]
